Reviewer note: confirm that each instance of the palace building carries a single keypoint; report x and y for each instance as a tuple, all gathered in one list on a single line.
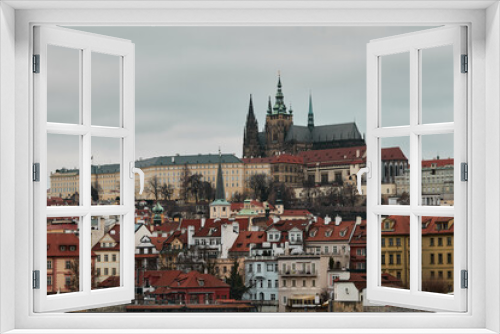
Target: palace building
[(280, 135)]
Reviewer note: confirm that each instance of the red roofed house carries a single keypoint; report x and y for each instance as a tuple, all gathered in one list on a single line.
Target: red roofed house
[(358, 248), (332, 239), (190, 288), (107, 252), (63, 253)]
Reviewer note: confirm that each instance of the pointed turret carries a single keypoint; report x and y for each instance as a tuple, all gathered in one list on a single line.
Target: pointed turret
[(269, 107), (220, 193), (279, 105), (310, 116), (251, 147), (220, 208)]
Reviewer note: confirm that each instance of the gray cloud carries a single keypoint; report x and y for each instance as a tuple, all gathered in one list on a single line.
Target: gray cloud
[(193, 83)]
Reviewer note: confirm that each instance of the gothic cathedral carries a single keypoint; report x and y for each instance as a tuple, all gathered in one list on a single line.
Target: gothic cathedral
[(280, 135)]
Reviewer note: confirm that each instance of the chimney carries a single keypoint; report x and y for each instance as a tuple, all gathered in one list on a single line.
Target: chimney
[(358, 220), (203, 221), (338, 220), (328, 220), (190, 235)]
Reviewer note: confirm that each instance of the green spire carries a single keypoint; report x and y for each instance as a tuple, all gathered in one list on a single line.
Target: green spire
[(269, 107), (279, 105), (310, 116)]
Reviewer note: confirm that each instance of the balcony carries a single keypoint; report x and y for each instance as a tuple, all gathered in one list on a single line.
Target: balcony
[(309, 273)]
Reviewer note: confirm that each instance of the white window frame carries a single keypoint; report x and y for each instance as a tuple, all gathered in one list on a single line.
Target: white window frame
[(412, 44), (15, 122)]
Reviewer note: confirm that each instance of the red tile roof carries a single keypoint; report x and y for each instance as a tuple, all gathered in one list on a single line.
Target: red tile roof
[(212, 227), (296, 213), (158, 242), (393, 153), (171, 280), (401, 225), (347, 155), (331, 232), (110, 282), (114, 233), (58, 245), (288, 159), (438, 225), (65, 227), (438, 162), (244, 239)]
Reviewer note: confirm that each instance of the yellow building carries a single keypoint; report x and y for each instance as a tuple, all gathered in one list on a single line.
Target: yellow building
[(437, 254), (107, 252), (395, 241)]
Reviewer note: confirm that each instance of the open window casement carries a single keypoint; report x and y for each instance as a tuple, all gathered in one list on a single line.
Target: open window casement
[(413, 63), (74, 75)]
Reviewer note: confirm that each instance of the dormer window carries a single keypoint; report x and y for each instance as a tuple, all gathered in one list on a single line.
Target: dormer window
[(62, 248)]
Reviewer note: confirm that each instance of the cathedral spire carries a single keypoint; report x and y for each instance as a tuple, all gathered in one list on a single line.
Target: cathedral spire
[(269, 106), (250, 107), (310, 116), (279, 105)]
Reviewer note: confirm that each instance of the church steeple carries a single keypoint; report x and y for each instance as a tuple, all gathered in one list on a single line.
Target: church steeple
[(269, 107), (279, 105), (310, 116), (220, 193), (251, 147)]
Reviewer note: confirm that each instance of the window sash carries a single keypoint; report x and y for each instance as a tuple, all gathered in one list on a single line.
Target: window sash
[(86, 43), (412, 43)]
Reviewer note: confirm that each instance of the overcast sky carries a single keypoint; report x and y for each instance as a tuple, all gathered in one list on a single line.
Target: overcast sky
[(193, 85)]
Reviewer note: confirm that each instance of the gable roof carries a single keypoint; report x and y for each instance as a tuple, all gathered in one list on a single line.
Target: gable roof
[(331, 232), (432, 225), (401, 225), (56, 240), (244, 239)]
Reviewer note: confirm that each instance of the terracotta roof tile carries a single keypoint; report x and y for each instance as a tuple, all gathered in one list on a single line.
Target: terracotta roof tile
[(61, 245)]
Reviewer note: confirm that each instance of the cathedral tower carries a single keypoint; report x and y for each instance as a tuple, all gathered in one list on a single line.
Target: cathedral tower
[(278, 122), (251, 146)]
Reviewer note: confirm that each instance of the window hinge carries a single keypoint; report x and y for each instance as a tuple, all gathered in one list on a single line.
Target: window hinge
[(36, 63), (464, 171), (465, 279), (36, 279), (36, 172), (465, 64)]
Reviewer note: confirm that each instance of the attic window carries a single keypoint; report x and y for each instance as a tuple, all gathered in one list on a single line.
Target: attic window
[(201, 282), (328, 233), (313, 233), (62, 248)]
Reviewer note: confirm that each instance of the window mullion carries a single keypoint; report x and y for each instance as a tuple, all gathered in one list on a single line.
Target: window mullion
[(86, 175), (415, 240)]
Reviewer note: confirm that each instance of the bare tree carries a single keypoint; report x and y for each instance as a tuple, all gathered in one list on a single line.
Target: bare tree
[(167, 191), (309, 193), (184, 184), (404, 199), (207, 191), (240, 197), (435, 285), (95, 190), (261, 185), (154, 187), (195, 184)]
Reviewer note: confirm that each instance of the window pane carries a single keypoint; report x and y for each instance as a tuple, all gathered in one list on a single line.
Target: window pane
[(395, 181), (437, 84), (63, 255), (437, 170), (105, 252), (395, 256), (106, 89), (106, 159), (63, 166), (437, 254), (63, 85), (395, 89)]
